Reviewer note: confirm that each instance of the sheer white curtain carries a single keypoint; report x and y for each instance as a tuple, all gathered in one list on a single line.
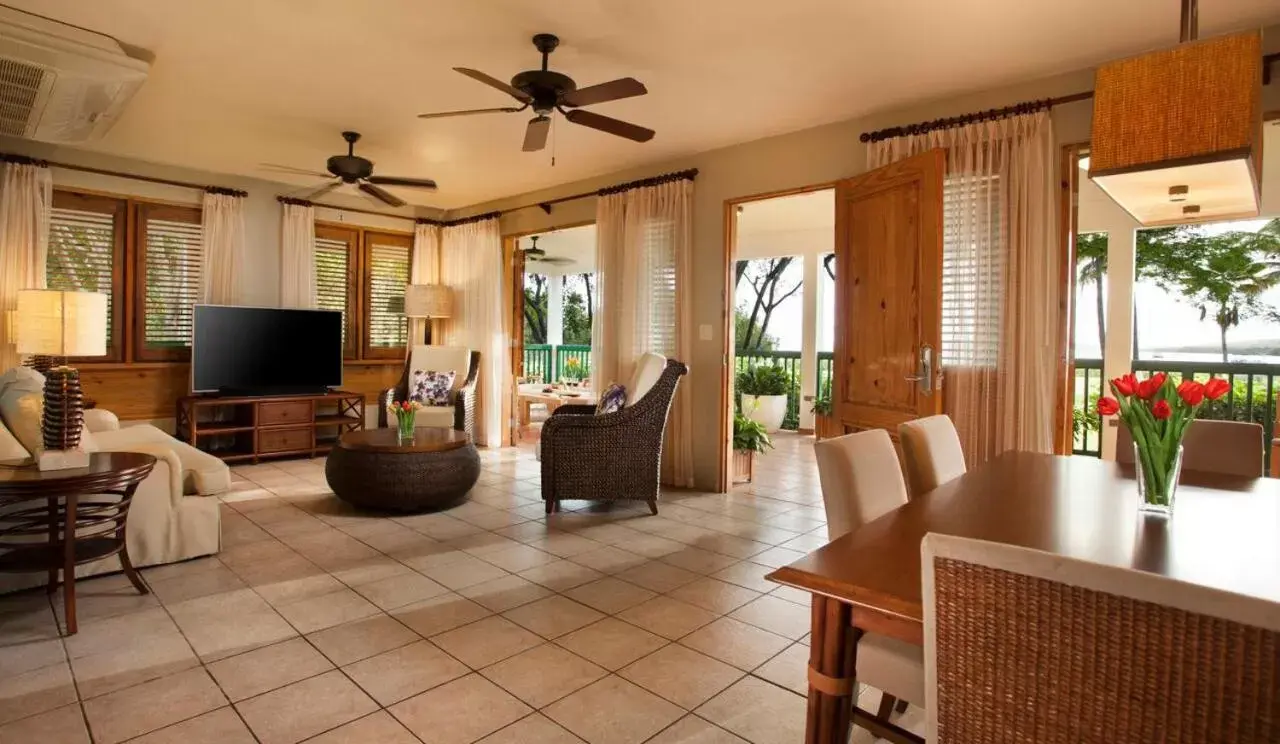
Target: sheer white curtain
[(644, 240), (471, 264), (1000, 279), (424, 269), (222, 248), (297, 255), (26, 196)]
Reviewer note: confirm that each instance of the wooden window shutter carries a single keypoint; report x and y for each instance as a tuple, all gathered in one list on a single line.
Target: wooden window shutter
[(386, 274), (167, 283), (86, 254), (336, 269)]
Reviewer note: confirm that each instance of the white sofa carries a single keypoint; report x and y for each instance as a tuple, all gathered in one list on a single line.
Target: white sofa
[(174, 515)]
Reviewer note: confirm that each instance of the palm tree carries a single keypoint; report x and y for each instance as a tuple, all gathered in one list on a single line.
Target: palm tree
[(1091, 263)]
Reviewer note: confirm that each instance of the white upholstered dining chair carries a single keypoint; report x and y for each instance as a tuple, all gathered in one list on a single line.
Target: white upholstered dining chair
[(1223, 447), (931, 452), (861, 481), (1024, 646)]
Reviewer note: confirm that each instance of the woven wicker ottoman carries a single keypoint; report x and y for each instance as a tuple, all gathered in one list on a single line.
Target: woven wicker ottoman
[(374, 470)]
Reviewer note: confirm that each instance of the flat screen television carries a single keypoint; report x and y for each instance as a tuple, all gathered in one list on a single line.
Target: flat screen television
[(265, 351)]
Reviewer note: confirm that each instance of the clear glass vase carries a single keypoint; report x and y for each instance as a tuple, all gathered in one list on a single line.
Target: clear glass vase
[(1156, 485), (405, 423)]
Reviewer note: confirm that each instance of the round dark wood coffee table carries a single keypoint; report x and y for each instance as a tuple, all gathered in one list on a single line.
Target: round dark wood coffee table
[(375, 470), (81, 513)]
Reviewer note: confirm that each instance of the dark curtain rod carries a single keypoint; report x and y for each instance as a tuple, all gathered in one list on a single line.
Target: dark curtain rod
[(307, 203), (1026, 107), (685, 175), (23, 159)]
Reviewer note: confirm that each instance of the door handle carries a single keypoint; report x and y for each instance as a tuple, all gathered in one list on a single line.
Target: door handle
[(925, 377)]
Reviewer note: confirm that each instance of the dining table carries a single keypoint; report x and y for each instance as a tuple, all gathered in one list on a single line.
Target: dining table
[(1224, 533)]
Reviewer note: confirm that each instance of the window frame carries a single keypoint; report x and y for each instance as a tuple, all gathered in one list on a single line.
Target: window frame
[(352, 237), (119, 211), (142, 211), (384, 237)]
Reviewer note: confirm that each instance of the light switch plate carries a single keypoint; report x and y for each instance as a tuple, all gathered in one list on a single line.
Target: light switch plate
[(704, 332)]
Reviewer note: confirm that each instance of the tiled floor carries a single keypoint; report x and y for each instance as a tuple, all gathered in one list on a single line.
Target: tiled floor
[(488, 622)]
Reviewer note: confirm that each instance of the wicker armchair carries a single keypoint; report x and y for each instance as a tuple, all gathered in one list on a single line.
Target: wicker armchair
[(464, 401), (612, 457), (1025, 647)]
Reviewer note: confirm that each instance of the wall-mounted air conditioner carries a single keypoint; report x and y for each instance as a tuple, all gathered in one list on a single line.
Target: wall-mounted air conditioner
[(59, 83)]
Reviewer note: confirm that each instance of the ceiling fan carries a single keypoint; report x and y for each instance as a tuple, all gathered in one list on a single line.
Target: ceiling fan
[(353, 169), (539, 255), (546, 91)]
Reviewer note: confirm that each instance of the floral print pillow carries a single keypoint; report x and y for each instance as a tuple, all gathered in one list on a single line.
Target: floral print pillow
[(613, 399), (431, 388)]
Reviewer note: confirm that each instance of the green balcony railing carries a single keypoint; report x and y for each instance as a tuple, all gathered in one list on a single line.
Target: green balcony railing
[(548, 362)]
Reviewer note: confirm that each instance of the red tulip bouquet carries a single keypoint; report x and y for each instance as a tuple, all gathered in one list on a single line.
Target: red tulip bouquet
[(1157, 414), (405, 412)]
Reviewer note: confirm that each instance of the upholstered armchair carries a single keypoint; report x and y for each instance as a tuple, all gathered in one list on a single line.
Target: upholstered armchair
[(614, 456), (461, 413)]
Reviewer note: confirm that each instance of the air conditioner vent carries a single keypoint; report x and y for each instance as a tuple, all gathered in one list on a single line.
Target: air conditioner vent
[(20, 86)]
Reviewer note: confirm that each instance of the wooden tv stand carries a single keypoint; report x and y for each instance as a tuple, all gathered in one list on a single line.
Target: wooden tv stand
[(253, 427)]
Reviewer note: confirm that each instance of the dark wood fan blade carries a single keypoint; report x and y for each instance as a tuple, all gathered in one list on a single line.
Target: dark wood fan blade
[(413, 183), (493, 82), (291, 170), (609, 125), (446, 114), (610, 91), (323, 190), (535, 135), (381, 194)]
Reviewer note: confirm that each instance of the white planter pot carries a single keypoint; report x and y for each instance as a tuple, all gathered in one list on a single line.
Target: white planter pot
[(767, 410)]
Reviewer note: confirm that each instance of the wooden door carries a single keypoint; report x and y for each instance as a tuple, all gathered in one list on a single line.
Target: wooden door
[(889, 295)]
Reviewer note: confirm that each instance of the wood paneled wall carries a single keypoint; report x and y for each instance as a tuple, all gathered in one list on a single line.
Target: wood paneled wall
[(151, 391)]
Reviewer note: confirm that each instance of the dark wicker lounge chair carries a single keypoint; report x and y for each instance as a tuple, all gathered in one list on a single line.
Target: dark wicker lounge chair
[(464, 402)]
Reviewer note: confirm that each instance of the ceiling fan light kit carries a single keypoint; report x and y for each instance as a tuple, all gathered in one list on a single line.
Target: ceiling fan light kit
[(1177, 134), (545, 92)]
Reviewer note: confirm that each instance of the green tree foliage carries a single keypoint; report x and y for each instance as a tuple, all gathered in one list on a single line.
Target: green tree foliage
[(535, 309), (769, 289), (1091, 267), (579, 293)]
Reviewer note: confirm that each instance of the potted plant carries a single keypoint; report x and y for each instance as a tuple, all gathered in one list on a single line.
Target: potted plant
[(1157, 414), (749, 437), (824, 423), (574, 372), (763, 391)]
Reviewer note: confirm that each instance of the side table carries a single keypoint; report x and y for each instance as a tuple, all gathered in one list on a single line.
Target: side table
[(81, 513)]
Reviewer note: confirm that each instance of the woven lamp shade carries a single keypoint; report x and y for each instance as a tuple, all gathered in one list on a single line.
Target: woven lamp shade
[(61, 324), (1177, 134), (428, 301)]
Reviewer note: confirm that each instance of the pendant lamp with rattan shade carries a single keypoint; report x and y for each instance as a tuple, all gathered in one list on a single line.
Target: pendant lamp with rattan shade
[(1177, 134)]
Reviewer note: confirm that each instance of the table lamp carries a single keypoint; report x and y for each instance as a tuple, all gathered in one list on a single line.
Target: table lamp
[(430, 301), (61, 324)]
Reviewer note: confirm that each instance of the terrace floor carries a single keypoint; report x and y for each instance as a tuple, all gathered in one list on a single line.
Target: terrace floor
[(488, 622)]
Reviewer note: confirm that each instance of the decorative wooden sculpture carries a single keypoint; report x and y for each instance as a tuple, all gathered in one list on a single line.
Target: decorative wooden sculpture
[(63, 409)]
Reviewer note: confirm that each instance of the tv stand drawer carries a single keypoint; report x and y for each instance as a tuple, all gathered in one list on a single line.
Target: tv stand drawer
[(283, 440), (284, 412)]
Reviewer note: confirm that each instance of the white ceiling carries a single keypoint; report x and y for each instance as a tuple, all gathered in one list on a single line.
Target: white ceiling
[(577, 245), (239, 82)]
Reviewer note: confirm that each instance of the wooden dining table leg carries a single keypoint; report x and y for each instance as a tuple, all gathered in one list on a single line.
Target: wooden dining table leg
[(833, 648)]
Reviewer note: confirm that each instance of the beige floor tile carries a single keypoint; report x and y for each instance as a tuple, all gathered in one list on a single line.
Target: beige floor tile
[(127, 664), (304, 709), (327, 610), (759, 712), (777, 557), (609, 559), (694, 730), (378, 728), (715, 595), (180, 588), (561, 575), (699, 561), (103, 597), (657, 576), (63, 725), (553, 617), (611, 643), (681, 675), (222, 726), (486, 641), (268, 668), (223, 625), (534, 729), (669, 618), (400, 590), (360, 639), (775, 615), (735, 642), (543, 674), (20, 656), (650, 546), (519, 558), (153, 705), (438, 614), (460, 712), (464, 572), (505, 593), (791, 594), (789, 669), (610, 595), (370, 570), (35, 691), (406, 671), (564, 544), (747, 574), (613, 711)]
